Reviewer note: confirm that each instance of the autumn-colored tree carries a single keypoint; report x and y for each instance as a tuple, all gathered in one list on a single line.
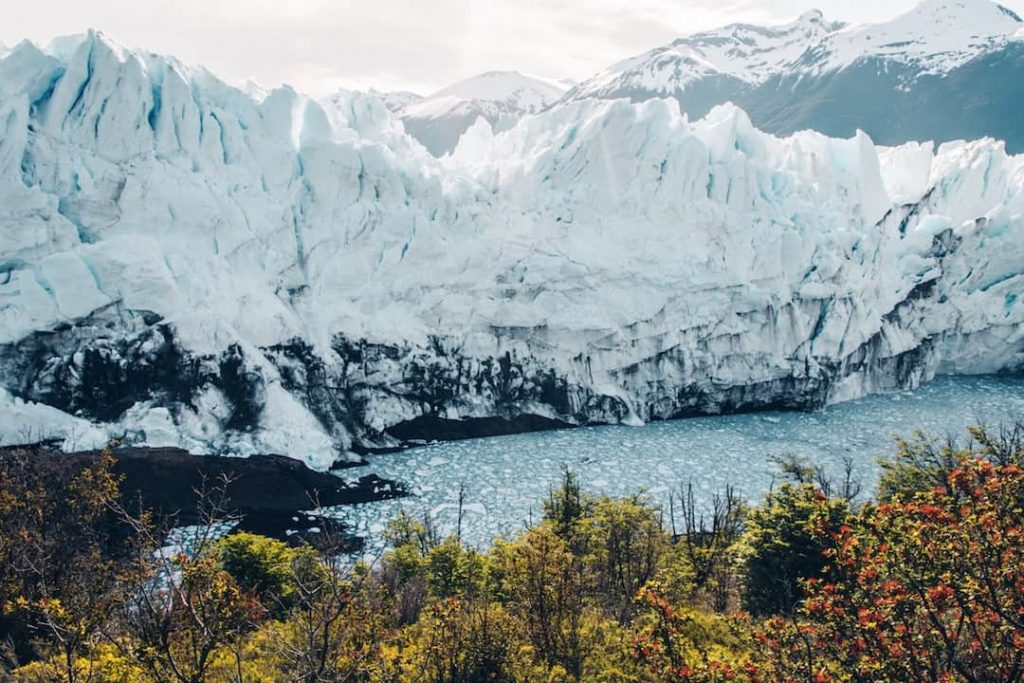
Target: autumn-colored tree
[(930, 588), (926, 584), (922, 462), (684, 645)]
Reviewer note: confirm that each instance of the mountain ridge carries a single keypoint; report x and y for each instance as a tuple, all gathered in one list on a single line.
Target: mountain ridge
[(844, 76)]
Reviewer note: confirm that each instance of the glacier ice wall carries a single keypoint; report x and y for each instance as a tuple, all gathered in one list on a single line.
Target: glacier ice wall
[(185, 263)]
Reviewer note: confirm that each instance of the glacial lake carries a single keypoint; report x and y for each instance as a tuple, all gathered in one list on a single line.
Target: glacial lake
[(507, 478)]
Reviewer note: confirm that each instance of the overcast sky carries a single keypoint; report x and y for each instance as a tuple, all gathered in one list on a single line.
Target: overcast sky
[(318, 46)]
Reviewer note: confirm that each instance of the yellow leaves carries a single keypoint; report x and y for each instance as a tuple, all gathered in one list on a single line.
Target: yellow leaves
[(104, 663)]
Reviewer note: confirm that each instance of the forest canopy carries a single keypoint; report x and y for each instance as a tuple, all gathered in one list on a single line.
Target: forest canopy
[(924, 581)]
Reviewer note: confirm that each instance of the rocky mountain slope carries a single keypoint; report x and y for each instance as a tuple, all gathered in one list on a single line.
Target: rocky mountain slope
[(709, 68), (945, 70)]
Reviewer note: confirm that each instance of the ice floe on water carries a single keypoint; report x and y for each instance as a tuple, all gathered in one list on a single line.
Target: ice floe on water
[(507, 478)]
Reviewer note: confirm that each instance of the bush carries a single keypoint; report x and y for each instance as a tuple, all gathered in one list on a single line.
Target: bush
[(454, 570), (931, 588), (546, 589), (683, 644), (459, 641), (262, 567)]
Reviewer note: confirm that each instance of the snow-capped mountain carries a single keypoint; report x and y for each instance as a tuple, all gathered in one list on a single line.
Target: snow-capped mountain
[(187, 263), (500, 98), (935, 37), (711, 67), (398, 99), (945, 70)]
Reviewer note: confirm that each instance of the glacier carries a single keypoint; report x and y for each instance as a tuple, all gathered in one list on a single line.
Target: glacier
[(227, 270)]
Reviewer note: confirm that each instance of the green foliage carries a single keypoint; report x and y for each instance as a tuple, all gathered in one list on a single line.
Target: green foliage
[(406, 531), (624, 545), (262, 567), (411, 542), (567, 506), (677, 577), (783, 545), (407, 562), (454, 570), (464, 642)]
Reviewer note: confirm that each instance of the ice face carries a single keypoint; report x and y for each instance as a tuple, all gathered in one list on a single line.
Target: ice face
[(187, 263), (507, 479)]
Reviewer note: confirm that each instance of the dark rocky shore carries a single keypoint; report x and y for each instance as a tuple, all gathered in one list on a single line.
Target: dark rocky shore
[(268, 492)]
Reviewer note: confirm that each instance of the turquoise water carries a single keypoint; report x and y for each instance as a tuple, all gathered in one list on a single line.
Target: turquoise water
[(507, 478)]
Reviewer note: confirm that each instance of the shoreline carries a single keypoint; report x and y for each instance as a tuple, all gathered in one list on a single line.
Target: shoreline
[(271, 493)]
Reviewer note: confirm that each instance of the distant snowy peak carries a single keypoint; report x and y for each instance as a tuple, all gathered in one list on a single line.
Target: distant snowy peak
[(510, 89), (398, 99), (494, 93), (499, 97), (746, 53), (936, 35)]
